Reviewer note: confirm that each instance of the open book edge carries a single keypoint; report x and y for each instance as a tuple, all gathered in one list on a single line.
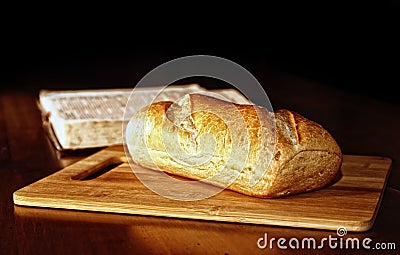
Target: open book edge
[(84, 133)]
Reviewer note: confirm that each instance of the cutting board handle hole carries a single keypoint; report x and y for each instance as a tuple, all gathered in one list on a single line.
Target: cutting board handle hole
[(98, 170)]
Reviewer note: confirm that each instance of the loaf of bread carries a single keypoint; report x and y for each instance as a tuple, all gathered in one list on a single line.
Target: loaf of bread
[(244, 148)]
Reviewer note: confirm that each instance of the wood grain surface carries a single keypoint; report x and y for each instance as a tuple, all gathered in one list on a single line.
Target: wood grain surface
[(352, 201)]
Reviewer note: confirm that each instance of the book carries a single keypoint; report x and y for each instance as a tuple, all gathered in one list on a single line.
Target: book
[(80, 119)]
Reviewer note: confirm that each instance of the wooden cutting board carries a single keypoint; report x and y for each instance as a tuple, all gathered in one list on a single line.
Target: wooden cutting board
[(351, 202)]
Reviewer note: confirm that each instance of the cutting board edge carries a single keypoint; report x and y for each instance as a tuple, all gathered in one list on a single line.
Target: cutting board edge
[(21, 198), (350, 225)]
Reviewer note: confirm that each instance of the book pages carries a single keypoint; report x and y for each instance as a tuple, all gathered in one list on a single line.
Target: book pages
[(81, 119)]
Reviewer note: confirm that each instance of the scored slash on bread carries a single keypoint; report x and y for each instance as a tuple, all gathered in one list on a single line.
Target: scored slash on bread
[(244, 148)]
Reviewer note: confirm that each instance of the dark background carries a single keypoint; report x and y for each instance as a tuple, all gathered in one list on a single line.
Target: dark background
[(353, 47)]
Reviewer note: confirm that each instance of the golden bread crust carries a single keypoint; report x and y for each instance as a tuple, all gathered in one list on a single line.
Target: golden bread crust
[(266, 154)]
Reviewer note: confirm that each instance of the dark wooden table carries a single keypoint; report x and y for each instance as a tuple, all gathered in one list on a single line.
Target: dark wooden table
[(361, 124)]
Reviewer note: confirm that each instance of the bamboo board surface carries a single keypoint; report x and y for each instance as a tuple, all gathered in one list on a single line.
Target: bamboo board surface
[(352, 202)]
